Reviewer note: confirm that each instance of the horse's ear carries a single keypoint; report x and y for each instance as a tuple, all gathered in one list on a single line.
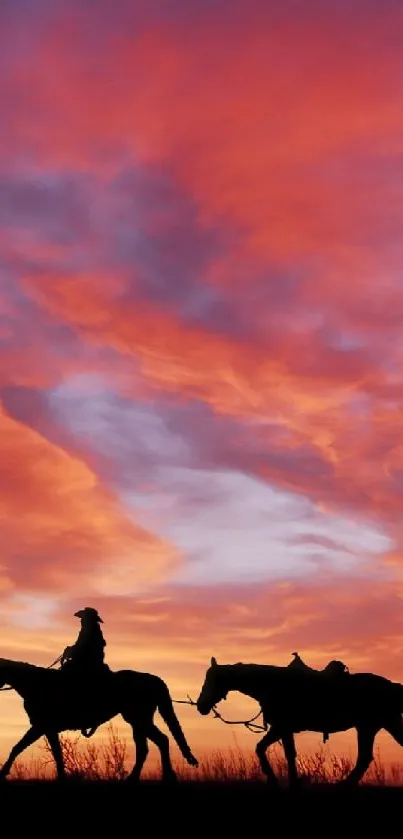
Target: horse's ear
[(214, 662)]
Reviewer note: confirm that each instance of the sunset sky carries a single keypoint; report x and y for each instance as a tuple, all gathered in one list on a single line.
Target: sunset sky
[(201, 325)]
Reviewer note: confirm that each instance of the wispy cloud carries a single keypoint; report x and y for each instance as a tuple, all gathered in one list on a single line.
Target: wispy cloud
[(200, 329)]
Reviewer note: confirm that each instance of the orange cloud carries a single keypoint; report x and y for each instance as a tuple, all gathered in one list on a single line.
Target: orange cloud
[(248, 383), (61, 529), (271, 142)]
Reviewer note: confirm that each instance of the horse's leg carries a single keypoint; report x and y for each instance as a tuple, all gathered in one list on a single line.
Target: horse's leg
[(54, 743), (162, 742), (395, 729), (291, 757), (29, 738), (271, 737), (140, 740), (365, 737)]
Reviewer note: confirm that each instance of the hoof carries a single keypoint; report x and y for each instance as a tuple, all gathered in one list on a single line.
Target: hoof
[(192, 760), (132, 779), (272, 783), (298, 783), (347, 784), (170, 778)]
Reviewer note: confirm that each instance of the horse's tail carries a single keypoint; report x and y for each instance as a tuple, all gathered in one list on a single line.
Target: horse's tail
[(166, 709)]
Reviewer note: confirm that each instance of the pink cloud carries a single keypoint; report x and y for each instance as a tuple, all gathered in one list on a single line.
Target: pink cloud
[(201, 214)]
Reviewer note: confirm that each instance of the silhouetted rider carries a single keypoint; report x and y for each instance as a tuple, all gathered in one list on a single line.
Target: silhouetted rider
[(88, 653)]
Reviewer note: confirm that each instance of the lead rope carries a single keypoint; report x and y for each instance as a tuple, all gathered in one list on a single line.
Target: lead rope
[(251, 725)]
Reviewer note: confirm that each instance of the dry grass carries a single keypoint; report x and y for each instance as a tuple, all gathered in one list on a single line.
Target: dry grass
[(109, 760)]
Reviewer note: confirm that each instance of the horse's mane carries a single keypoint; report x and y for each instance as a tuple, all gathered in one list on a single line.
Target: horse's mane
[(253, 668), (273, 669)]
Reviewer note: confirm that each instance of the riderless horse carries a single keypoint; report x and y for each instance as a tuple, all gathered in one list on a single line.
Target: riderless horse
[(295, 699)]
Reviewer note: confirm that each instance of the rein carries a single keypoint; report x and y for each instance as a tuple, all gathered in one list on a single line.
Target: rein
[(250, 724)]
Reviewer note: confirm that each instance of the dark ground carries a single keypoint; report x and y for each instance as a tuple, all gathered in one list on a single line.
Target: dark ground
[(196, 810)]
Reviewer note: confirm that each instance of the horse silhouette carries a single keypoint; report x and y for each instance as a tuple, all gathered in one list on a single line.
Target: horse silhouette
[(295, 699), (55, 704)]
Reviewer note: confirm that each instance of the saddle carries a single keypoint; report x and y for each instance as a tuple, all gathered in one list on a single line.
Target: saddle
[(334, 669), (85, 681)]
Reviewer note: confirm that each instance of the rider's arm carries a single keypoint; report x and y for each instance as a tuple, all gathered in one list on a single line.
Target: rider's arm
[(66, 654)]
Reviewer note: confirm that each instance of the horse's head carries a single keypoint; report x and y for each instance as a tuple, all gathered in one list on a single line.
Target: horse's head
[(214, 689)]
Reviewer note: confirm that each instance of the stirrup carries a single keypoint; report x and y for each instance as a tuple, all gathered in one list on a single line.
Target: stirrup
[(88, 732)]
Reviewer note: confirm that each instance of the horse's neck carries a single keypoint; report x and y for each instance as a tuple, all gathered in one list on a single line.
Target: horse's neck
[(20, 676), (248, 679)]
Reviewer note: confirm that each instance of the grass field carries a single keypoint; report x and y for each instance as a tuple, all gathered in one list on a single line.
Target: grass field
[(227, 795), (109, 760)]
